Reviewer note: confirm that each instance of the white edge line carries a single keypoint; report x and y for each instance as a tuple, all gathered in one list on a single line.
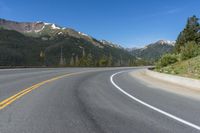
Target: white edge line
[(150, 106)]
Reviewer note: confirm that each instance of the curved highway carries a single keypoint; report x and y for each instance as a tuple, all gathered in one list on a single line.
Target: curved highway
[(90, 100)]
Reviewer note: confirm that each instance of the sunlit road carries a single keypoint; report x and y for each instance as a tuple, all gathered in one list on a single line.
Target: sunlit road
[(90, 100)]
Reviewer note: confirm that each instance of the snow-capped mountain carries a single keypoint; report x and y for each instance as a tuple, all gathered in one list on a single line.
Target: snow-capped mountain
[(22, 26), (26, 43), (105, 42), (165, 42), (34, 27), (27, 27), (41, 29), (153, 51), (50, 30)]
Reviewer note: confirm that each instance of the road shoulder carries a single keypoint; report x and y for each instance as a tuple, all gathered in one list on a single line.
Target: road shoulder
[(156, 83)]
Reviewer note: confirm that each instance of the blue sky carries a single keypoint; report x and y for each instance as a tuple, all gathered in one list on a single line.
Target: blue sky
[(127, 22)]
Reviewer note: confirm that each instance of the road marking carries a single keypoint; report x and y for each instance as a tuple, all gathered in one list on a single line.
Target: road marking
[(13, 98), (150, 106)]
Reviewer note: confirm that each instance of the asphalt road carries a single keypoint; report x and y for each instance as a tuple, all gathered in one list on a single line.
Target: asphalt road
[(90, 101)]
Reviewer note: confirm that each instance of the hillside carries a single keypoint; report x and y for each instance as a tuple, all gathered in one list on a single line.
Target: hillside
[(185, 59), (188, 68), (45, 44), (154, 51), (46, 31)]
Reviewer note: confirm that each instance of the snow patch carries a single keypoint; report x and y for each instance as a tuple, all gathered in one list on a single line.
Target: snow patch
[(53, 26), (83, 34), (47, 23), (40, 29), (60, 33), (167, 42), (145, 47), (39, 22)]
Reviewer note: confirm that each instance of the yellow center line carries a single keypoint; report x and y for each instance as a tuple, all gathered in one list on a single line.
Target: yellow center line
[(13, 98)]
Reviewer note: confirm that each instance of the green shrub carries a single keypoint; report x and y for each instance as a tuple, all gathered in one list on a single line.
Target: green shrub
[(167, 59), (191, 49)]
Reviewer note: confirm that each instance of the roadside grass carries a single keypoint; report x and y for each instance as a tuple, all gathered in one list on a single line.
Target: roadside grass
[(189, 68)]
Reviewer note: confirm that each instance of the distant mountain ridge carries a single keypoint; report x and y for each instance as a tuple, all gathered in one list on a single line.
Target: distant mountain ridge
[(40, 43), (153, 51), (111, 44), (50, 30), (50, 37), (45, 30), (22, 26)]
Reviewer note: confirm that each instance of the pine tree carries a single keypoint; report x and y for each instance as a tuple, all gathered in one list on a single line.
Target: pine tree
[(42, 57), (103, 61), (42, 54), (90, 60), (64, 61), (71, 61), (77, 61), (189, 34), (83, 52), (110, 60)]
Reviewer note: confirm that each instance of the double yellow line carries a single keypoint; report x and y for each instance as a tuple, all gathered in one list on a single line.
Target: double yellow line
[(13, 98)]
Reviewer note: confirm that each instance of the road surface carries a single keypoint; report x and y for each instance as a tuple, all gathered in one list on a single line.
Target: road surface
[(90, 100)]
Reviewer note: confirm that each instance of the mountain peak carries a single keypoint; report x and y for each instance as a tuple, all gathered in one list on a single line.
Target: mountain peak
[(154, 51), (166, 42), (105, 42), (53, 26), (83, 34)]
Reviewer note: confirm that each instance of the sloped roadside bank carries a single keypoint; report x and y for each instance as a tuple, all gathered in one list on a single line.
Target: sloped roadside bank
[(174, 84)]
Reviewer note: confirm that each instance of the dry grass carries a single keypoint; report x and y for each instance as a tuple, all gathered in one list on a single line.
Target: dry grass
[(189, 68)]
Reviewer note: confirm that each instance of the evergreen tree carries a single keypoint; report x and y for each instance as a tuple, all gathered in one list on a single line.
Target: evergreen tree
[(103, 62), (86, 61), (110, 60), (77, 61), (189, 34), (83, 52), (42, 57), (90, 61), (71, 61), (42, 54)]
